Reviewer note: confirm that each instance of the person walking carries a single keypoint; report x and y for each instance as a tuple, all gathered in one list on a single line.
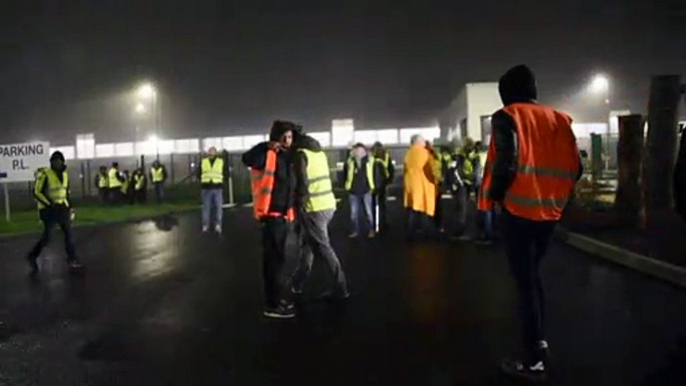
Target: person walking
[(420, 188), (115, 181), (212, 181), (51, 192), (360, 182), (103, 184), (273, 188), (385, 169), (158, 176), (535, 165), (463, 173), (316, 205), (140, 185)]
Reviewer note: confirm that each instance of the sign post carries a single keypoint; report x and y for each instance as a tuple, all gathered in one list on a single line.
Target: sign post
[(18, 163), (7, 202)]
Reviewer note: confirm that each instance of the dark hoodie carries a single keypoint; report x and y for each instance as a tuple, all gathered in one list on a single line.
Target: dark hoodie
[(300, 166), (518, 85), (284, 179)]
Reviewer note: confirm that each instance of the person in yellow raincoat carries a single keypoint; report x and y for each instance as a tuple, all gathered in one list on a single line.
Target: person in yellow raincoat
[(420, 188)]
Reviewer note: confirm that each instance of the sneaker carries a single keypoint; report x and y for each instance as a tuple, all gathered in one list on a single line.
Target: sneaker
[(353, 235), (205, 229), (33, 263), (279, 312), (518, 369), (371, 234), (218, 229)]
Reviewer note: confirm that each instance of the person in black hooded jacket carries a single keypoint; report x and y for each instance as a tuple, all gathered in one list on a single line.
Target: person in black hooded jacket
[(276, 228), (526, 239)]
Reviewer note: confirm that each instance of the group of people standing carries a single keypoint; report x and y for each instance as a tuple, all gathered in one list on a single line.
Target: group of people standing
[(117, 187), (529, 173)]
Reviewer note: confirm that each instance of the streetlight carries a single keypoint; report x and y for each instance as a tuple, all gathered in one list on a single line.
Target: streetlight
[(140, 108), (148, 92), (600, 84)]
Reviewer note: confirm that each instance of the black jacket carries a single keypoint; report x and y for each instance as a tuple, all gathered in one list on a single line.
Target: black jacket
[(300, 167), (360, 183), (283, 192), (680, 178)]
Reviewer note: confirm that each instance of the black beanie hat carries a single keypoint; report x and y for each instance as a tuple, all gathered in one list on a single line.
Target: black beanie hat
[(518, 85), (57, 155)]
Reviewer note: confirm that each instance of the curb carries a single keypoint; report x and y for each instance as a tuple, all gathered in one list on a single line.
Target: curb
[(659, 269)]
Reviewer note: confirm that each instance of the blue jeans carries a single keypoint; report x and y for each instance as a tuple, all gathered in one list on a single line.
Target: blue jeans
[(212, 197), (357, 202), (159, 191), (486, 224)]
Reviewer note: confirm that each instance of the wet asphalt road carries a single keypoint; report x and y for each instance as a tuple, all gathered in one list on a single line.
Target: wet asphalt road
[(163, 304)]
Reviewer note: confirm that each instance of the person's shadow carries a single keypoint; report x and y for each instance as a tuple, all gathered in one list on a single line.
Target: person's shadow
[(166, 223)]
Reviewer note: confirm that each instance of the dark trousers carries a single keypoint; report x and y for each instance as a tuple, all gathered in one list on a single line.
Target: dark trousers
[(60, 216), (314, 241), (419, 223), (438, 214), (526, 243), (159, 191), (460, 198), (104, 193), (274, 236), (141, 196), (115, 196)]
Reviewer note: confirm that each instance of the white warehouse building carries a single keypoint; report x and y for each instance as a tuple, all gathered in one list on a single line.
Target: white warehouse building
[(471, 112)]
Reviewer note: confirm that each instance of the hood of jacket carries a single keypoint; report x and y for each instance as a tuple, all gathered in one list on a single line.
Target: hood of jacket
[(518, 85), (308, 143)]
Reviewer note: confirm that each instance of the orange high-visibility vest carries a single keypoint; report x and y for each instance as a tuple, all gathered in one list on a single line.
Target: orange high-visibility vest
[(262, 185), (548, 164)]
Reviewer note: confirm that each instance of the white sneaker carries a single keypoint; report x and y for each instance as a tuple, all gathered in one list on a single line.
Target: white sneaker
[(205, 229), (218, 229)]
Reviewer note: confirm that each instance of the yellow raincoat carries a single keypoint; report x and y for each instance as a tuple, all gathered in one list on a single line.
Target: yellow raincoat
[(420, 180)]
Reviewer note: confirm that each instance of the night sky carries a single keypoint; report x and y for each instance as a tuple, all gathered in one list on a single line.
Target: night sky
[(69, 67)]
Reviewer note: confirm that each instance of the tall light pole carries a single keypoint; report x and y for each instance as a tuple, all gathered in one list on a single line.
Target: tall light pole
[(148, 92)]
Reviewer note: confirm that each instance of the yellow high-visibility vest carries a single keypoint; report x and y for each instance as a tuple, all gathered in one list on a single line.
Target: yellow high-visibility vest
[(114, 181), (351, 173), (212, 173), (57, 190), (320, 190), (157, 174)]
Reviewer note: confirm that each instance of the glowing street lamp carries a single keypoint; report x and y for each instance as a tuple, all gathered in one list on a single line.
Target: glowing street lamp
[(600, 84), (146, 91), (140, 108)]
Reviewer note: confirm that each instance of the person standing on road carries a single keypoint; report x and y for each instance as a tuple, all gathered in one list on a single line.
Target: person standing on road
[(52, 195), (533, 164), (212, 180), (420, 188), (316, 205), (385, 168), (116, 180), (273, 189), (360, 183), (103, 184), (158, 176)]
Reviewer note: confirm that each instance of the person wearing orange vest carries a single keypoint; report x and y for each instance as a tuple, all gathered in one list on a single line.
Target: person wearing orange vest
[(273, 190), (532, 166)]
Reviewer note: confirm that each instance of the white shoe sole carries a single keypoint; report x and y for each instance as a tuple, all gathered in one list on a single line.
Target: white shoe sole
[(276, 315)]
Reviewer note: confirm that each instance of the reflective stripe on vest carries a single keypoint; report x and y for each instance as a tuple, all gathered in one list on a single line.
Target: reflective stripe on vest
[(157, 174), (351, 173), (56, 190), (212, 173), (113, 180), (320, 190), (262, 186), (548, 164)]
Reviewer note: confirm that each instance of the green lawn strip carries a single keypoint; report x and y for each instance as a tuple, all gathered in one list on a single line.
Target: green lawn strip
[(27, 221)]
